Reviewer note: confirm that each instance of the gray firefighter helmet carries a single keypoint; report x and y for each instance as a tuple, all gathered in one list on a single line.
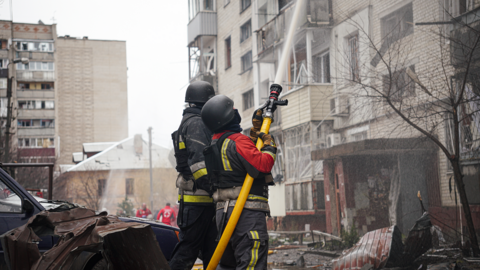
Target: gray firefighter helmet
[(199, 92), (217, 112)]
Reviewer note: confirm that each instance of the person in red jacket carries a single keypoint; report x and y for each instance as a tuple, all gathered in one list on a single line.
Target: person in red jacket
[(143, 212), (168, 215)]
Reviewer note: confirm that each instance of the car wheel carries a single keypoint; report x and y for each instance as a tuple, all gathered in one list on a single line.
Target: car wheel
[(100, 265)]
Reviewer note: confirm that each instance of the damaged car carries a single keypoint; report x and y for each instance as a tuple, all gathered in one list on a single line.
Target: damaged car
[(42, 234)]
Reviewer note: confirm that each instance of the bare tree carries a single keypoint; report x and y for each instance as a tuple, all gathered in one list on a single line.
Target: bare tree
[(441, 91)]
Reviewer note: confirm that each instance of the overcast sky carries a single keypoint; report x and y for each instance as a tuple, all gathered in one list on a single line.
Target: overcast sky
[(156, 35)]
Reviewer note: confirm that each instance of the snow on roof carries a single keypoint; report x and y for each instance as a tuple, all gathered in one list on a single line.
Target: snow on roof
[(77, 156), (122, 155), (96, 147)]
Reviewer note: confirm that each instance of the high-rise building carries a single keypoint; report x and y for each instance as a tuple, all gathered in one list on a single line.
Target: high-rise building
[(65, 91)]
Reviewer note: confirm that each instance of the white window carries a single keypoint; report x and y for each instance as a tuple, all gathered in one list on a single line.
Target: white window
[(321, 68), (49, 104)]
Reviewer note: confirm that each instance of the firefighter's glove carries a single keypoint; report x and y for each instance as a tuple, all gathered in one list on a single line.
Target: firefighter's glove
[(257, 121), (267, 139)]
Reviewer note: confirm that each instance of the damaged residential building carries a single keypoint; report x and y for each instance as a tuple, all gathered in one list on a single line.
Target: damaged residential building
[(65, 91), (343, 160)]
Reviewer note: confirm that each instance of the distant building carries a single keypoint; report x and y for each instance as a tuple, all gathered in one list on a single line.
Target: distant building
[(121, 171), (71, 91)]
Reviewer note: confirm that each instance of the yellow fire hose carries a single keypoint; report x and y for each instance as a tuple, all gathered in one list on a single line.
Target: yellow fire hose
[(267, 121)]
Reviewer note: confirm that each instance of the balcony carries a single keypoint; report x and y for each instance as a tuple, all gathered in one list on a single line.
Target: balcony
[(21, 93), (305, 104), (35, 75), (40, 113), (36, 56), (36, 131), (316, 14), (204, 24)]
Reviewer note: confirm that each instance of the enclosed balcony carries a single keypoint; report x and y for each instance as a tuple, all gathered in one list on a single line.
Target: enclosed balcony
[(317, 13), (202, 19), (35, 75)]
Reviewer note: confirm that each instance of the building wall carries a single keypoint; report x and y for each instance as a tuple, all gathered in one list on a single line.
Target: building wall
[(92, 95), (79, 182), (231, 81)]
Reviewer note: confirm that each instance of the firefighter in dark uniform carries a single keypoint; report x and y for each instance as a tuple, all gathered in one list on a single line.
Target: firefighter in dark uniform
[(197, 209), (228, 167)]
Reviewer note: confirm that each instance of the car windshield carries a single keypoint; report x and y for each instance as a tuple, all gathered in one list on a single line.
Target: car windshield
[(46, 204)]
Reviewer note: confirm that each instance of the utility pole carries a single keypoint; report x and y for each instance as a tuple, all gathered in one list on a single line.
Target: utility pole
[(9, 120), (150, 159)]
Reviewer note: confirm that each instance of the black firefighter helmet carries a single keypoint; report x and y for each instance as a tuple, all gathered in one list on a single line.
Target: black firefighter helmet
[(217, 112), (199, 92)]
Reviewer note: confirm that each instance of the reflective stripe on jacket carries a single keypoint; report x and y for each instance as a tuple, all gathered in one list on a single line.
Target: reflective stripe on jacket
[(194, 137), (240, 156)]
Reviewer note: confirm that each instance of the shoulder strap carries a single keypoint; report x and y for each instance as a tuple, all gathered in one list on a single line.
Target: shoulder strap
[(179, 130), (222, 139)]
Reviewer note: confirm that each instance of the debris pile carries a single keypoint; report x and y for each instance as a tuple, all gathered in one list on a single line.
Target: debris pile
[(123, 245)]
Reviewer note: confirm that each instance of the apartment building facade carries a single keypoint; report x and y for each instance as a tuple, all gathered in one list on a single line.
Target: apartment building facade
[(343, 159), (65, 91)]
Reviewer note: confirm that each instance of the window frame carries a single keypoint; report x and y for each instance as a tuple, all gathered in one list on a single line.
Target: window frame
[(242, 60), (401, 27), (408, 89), (248, 99), (243, 7), (244, 31), (323, 59), (129, 182), (353, 55), (228, 52)]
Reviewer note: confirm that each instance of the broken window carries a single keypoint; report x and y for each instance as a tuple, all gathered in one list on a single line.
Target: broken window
[(397, 24), (228, 52), (247, 61), (129, 186), (247, 99), (353, 58), (245, 4), (399, 85), (246, 31), (298, 161), (35, 46), (101, 186), (321, 68)]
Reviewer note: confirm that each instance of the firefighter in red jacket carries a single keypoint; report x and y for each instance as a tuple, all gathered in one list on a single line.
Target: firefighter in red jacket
[(168, 215), (227, 169)]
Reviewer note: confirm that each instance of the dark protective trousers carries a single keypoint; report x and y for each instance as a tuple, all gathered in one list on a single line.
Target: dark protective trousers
[(198, 233), (248, 246)]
